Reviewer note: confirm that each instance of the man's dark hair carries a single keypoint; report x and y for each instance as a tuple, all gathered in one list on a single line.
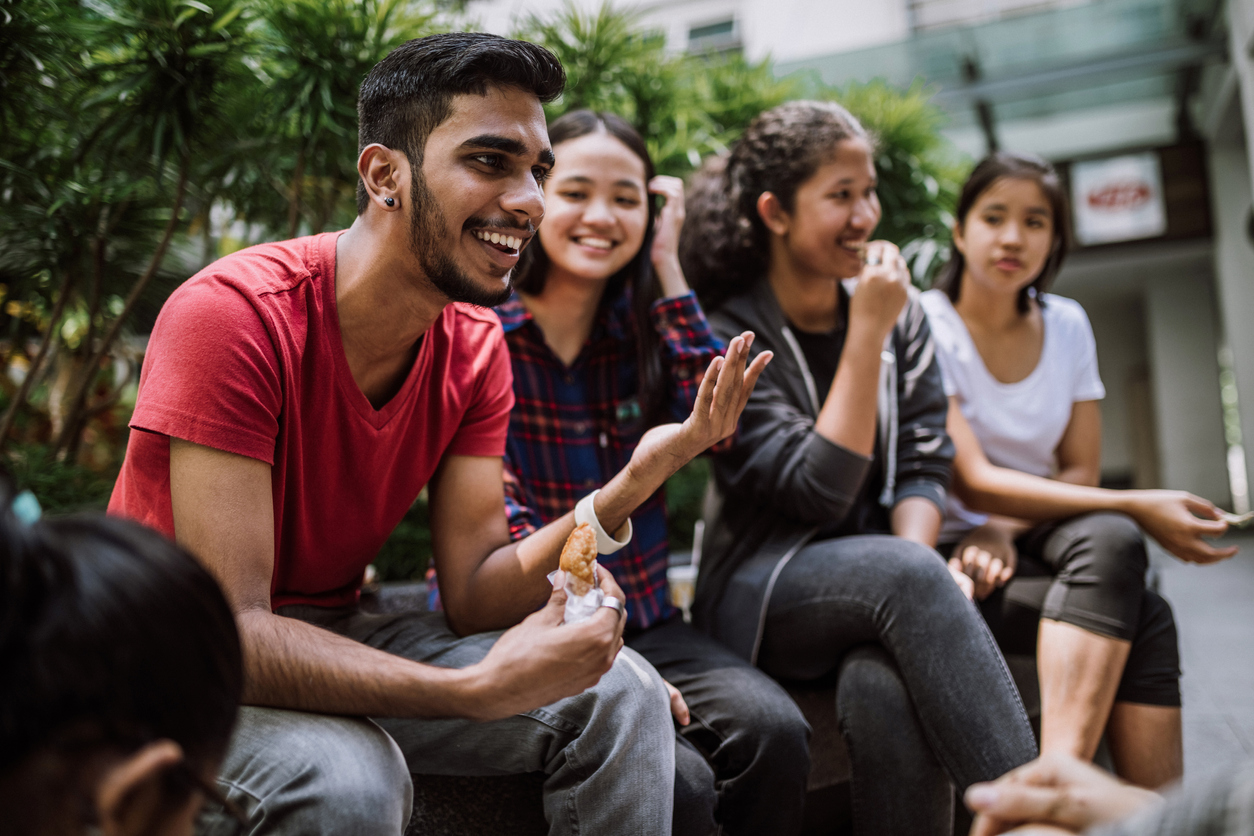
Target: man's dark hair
[(111, 637), (411, 91)]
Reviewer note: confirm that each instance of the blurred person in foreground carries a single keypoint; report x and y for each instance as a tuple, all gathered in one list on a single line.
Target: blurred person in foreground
[(120, 677), (1060, 794), (295, 399)]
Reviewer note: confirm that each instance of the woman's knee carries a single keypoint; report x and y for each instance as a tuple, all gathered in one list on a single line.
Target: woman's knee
[(1110, 546), (913, 567)]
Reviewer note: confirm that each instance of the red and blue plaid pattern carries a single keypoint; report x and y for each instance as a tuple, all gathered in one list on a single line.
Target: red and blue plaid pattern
[(573, 428)]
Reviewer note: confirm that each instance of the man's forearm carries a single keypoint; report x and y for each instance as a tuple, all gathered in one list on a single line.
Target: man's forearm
[(291, 664)]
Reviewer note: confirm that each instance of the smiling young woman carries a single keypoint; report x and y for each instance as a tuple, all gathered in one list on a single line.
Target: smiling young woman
[(819, 560), (607, 341)]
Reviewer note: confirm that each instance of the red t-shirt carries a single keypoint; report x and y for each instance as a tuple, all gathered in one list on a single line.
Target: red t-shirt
[(246, 357)]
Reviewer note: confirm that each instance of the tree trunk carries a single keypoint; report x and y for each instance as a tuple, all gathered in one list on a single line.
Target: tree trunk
[(68, 437), (45, 344), (298, 187)]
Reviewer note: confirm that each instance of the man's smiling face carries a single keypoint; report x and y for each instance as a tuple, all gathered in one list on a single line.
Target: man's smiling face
[(478, 198)]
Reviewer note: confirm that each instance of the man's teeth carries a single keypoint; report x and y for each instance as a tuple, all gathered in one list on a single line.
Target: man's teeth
[(497, 238), (599, 243)]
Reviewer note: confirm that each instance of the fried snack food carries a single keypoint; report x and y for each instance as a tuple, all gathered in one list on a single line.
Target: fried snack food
[(578, 555)]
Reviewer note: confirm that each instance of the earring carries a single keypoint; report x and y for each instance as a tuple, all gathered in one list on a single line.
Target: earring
[(390, 201)]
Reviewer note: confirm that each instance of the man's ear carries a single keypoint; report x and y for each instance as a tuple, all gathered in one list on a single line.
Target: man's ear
[(130, 797), (385, 174), (772, 213)]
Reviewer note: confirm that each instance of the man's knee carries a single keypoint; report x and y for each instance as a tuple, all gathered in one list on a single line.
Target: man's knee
[(310, 773)]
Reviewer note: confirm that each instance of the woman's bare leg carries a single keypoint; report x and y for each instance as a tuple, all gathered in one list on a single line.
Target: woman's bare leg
[(1079, 673), (1146, 743)]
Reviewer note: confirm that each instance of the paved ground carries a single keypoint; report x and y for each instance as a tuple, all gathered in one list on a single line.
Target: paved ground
[(1214, 608)]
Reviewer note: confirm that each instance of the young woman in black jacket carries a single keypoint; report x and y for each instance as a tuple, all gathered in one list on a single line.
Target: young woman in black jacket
[(819, 557)]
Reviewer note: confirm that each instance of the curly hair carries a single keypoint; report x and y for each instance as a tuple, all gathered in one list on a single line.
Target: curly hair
[(985, 174), (725, 245)]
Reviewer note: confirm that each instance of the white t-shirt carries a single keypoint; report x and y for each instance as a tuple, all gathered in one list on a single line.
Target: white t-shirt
[(1019, 425)]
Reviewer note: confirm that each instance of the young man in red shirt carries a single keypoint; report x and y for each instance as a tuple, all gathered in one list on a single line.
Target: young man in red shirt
[(297, 396)]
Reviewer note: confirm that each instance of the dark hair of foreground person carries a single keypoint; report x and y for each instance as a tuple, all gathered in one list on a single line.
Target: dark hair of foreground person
[(120, 677)]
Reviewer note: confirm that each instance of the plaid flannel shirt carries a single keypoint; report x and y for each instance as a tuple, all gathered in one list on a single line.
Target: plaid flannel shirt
[(573, 428)]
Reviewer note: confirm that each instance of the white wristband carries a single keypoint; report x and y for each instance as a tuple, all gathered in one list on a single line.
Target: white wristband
[(586, 513)]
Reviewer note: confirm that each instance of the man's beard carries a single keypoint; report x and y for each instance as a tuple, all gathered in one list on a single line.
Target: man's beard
[(426, 225)]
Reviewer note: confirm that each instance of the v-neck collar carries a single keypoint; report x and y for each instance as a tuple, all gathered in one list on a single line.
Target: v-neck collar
[(377, 418)]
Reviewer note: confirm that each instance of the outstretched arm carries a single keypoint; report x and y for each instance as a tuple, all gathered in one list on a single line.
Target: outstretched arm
[(488, 583), (1176, 519), (223, 513)]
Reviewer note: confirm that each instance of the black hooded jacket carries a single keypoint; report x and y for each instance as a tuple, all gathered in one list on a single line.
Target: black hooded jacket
[(781, 485)]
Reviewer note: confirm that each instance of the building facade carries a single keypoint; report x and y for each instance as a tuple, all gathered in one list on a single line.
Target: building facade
[(1146, 107)]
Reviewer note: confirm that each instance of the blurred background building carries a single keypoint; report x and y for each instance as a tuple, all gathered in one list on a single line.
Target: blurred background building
[(1147, 108)]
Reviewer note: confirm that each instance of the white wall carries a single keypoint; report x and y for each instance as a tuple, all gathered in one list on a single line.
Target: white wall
[(784, 29), (1234, 269), (1185, 379)]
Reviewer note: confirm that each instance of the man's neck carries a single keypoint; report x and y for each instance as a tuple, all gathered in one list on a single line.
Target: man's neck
[(385, 305)]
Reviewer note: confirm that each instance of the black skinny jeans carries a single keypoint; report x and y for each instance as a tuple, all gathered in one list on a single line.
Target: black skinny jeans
[(741, 764), (923, 693)]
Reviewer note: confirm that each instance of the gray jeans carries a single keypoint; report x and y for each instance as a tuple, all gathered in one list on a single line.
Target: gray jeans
[(609, 753)]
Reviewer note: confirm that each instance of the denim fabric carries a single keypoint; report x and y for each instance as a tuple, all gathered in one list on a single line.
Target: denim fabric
[(748, 729), (897, 595), (609, 753)]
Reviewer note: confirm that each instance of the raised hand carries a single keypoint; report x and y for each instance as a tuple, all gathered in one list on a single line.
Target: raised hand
[(1178, 521), (720, 400), (883, 289)]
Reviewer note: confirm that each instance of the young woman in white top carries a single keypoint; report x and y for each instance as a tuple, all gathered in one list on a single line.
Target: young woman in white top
[(1020, 368)]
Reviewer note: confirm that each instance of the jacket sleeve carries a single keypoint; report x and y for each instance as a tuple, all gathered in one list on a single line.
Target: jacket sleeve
[(779, 461), (688, 345), (924, 450)]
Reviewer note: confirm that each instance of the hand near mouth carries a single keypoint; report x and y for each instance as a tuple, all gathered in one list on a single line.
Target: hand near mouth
[(883, 288)]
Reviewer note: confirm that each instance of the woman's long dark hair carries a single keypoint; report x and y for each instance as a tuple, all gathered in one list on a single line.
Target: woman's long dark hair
[(1024, 167), (111, 637), (725, 247), (636, 278)]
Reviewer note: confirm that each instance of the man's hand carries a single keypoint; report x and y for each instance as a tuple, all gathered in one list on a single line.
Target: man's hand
[(1178, 521), (964, 583), (1054, 791), (987, 555), (543, 660), (883, 289)]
